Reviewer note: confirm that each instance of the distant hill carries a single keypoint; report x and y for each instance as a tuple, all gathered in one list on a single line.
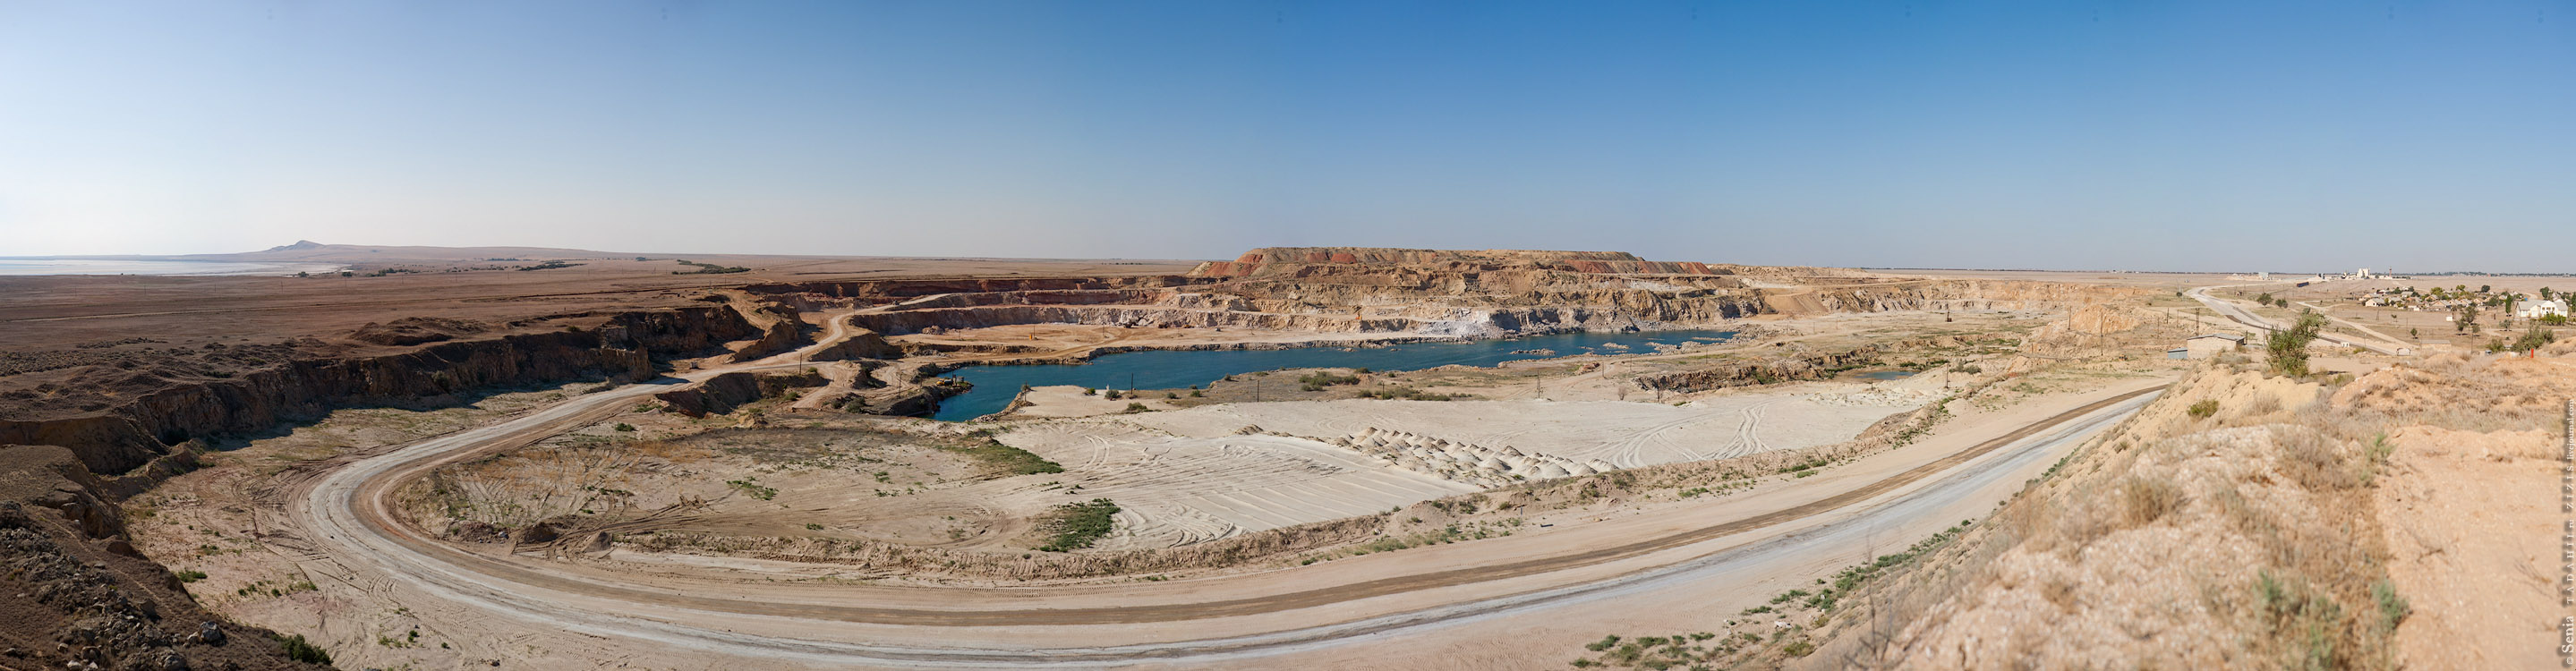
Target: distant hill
[(310, 251)]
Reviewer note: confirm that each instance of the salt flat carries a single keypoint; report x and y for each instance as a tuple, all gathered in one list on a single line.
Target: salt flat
[(1189, 476)]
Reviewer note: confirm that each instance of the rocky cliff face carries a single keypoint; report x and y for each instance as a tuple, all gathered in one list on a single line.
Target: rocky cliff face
[(860, 344), (1739, 373), (1429, 292), (82, 598), (1136, 316), (882, 292), (152, 412), (782, 328), (722, 393), (1276, 261)]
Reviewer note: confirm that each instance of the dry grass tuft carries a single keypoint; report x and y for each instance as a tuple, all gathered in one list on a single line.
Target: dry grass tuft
[(2147, 499)]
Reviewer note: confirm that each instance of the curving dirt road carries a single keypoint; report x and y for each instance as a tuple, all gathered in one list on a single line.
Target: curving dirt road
[(2239, 314), (348, 515)]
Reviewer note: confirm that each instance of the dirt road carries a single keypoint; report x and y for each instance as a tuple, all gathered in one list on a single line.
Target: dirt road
[(347, 516), (2248, 318)]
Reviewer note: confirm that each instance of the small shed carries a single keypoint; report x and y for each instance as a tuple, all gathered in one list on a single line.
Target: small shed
[(2214, 344), (2178, 353)]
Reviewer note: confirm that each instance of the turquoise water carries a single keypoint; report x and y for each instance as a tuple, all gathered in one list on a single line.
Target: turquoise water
[(995, 386), (122, 267)]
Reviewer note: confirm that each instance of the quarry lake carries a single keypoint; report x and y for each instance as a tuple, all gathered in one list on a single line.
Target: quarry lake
[(995, 386)]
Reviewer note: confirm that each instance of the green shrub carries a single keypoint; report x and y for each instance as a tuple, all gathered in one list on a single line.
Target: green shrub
[(2288, 347), (1007, 459), (304, 651), (753, 487), (1078, 525), (1325, 379), (2204, 408), (2393, 609)]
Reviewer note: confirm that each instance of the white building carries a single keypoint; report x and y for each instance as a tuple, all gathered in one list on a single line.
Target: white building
[(2206, 346), (2538, 309)]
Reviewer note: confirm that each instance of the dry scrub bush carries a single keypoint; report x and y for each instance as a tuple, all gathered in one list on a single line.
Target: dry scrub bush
[(2146, 499), (2290, 496), (891, 559)]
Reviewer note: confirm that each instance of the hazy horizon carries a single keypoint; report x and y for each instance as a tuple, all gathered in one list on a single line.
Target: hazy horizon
[(2101, 136)]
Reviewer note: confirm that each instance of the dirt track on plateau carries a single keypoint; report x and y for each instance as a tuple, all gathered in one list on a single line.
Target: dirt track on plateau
[(348, 513)]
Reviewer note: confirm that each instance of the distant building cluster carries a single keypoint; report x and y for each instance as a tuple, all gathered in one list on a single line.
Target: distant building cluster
[(2547, 305), (2358, 274)]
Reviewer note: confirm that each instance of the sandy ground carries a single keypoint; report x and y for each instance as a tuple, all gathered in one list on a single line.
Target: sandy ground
[(1624, 434), (2474, 544), (1069, 401), (1180, 489), (1053, 341), (1185, 476), (354, 600)]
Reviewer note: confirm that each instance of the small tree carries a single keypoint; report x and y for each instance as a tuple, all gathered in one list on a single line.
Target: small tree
[(2288, 348), (2535, 339)]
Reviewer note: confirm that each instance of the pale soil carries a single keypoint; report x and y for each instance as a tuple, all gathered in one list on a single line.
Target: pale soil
[(349, 609), (1573, 529), (2278, 532), (1713, 603), (215, 520), (2473, 540), (350, 615), (1050, 341), (823, 476), (1176, 489), (1069, 401)]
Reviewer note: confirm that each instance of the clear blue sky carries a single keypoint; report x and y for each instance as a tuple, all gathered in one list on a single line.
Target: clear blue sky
[(2162, 135)]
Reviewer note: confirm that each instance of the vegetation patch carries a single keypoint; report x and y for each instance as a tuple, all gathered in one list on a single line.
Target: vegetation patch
[(1318, 380), (1075, 526), (708, 268), (1006, 459), (752, 487), (1405, 394), (304, 651)]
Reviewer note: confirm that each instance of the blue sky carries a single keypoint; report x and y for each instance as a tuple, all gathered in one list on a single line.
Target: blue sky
[(2183, 135)]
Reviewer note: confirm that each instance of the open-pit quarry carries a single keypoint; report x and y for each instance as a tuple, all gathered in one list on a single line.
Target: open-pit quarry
[(745, 475)]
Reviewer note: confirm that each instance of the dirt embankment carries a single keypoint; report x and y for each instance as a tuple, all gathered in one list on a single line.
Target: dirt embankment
[(1274, 261), (1453, 298), (723, 393), (2404, 520), (852, 293), (76, 595), (1770, 368), (120, 417)]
